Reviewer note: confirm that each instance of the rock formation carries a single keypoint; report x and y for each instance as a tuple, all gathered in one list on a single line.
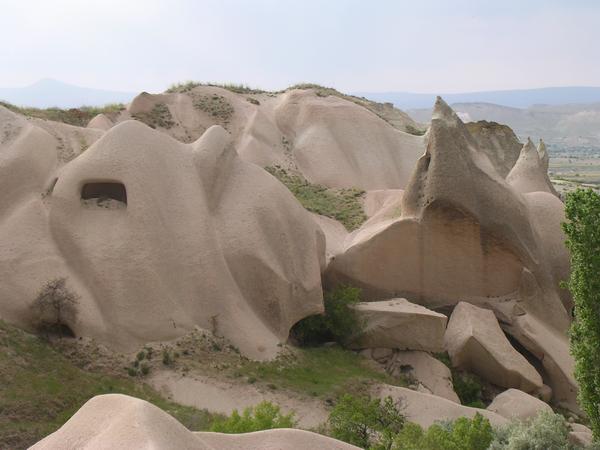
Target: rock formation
[(530, 173), (156, 237), (475, 342), (426, 409), (119, 422), (399, 324), (460, 232), (515, 404), (498, 142)]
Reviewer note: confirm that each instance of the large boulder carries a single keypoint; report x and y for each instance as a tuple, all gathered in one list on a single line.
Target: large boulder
[(157, 238), (580, 435), (427, 409), (120, 422), (429, 373), (515, 404), (475, 342), (399, 324)]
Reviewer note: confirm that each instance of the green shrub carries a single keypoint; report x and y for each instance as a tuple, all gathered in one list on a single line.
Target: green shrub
[(343, 205), (546, 431), (263, 416), (462, 434), (468, 388), (366, 422), (339, 323), (414, 130), (582, 208), (166, 358)]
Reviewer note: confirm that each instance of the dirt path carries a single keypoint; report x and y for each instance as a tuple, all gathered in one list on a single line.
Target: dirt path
[(223, 396)]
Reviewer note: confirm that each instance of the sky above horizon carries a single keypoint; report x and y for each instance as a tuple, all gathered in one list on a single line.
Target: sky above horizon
[(353, 45)]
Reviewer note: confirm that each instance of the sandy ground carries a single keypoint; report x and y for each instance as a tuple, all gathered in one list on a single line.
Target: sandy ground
[(223, 397)]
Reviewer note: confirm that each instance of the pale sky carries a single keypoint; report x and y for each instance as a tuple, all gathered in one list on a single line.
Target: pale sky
[(353, 45)]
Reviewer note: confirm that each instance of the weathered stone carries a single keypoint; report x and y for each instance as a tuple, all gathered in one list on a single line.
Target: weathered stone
[(515, 404)]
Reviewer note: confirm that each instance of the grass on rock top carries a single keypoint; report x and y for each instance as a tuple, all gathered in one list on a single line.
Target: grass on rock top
[(73, 116), (343, 205), (40, 389)]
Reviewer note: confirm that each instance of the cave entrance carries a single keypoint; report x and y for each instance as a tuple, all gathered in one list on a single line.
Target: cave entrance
[(104, 192)]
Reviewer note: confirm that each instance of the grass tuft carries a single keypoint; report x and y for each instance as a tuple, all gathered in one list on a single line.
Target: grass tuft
[(343, 205), (74, 116)]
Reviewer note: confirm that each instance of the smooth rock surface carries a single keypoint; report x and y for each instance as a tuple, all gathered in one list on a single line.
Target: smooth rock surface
[(517, 404), (476, 343), (399, 324)]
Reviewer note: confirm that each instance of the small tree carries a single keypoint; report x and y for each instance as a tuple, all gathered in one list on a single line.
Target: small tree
[(264, 416), (366, 422), (582, 209), (55, 306)]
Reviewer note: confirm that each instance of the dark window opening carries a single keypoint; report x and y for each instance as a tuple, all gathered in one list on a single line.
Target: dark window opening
[(104, 192)]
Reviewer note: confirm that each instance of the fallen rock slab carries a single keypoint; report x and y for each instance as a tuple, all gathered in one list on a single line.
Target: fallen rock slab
[(429, 372), (399, 324), (476, 343), (515, 404), (426, 409)]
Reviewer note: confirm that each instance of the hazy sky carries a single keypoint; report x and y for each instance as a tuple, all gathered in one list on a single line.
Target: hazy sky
[(354, 45)]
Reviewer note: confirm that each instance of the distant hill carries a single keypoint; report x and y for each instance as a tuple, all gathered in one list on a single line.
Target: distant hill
[(562, 126), (518, 98), (47, 93)]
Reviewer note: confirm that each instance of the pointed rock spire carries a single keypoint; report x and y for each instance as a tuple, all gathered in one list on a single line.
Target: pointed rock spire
[(543, 153)]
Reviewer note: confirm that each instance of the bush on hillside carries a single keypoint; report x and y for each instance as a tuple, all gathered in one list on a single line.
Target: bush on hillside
[(264, 416), (462, 434), (366, 422), (582, 208), (339, 323), (544, 432)]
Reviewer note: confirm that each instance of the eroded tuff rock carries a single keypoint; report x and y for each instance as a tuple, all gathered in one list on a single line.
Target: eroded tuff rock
[(516, 404), (460, 232), (399, 324), (431, 375), (334, 140), (476, 343), (426, 409), (499, 142), (530, 173), (120, 422), (156, 237)]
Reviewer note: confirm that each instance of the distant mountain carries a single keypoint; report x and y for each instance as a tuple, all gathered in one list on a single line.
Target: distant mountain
[(47, 93), (563, 126), (519, 98)]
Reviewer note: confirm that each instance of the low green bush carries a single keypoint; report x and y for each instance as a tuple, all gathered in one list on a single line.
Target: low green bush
[(462, 434), (339, 323), (264, 416), (366, 422), (546, 431)]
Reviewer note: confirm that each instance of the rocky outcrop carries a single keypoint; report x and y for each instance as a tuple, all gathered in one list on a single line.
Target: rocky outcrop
[(429, 374), (399, 324), (580, 435), (157, 238), (499, 143), (530, 173), (460, 232), (516, 404), (101, 122), (116, 422), (476, 343), (426, 409)]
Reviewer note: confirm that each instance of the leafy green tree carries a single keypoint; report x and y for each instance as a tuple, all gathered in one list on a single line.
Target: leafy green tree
[(582, 210), (366, 422), (339, 323), (462, 434), (264, 416)]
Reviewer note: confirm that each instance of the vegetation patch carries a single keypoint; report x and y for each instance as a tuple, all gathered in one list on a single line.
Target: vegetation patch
[(339, 323), (73, 116), (414, 130), (40, 389), (326, 372), (467, 386), (264, 416), (215, 105), (158, 117), (343, 205), (187, 86)]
